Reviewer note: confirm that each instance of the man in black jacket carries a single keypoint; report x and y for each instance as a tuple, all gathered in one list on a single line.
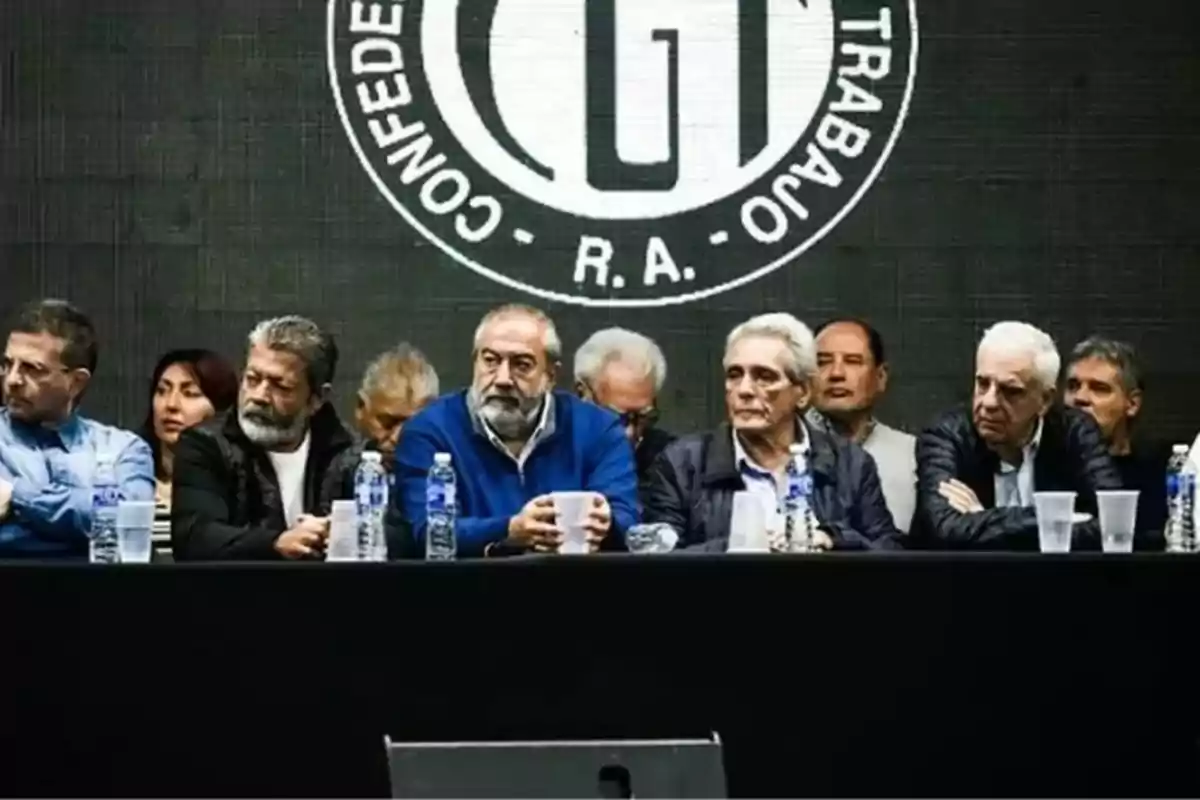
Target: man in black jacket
[(1104, 380), (769, 363), (258, 482), (978, 468)]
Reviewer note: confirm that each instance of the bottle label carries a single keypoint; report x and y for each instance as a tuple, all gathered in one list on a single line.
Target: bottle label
[(1172, 484), (377, 494), (799, 486), (439, 496), (106, 496)]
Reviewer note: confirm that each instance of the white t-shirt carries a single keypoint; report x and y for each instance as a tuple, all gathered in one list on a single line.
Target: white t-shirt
[(289, 470)]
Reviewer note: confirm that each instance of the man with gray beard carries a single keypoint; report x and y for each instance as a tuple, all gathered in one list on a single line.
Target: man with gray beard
[(513, 441), (258, 482)]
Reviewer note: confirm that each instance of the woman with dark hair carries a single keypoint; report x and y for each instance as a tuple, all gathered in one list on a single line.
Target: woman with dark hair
[(186, 388)]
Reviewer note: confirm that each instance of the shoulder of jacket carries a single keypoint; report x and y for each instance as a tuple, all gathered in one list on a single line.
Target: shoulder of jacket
[(953, 422), (211, 434), (1076, 424), (114, 437), (689, 449), (437, 413)]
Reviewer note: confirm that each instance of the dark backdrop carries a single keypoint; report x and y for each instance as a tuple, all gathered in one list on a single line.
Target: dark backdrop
[(179, 169)]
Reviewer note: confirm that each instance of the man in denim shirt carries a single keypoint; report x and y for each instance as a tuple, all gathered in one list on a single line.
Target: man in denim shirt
[(48, 452)]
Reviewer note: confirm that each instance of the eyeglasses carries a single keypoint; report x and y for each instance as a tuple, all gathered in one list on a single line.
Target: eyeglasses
[(33, 372), (642, 420)]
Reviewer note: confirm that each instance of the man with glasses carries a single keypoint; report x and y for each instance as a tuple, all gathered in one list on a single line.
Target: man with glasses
[(48, 451), (514, 441), (624, 371)]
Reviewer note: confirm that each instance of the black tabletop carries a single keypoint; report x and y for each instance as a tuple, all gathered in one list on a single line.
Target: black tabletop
[(856, 674)]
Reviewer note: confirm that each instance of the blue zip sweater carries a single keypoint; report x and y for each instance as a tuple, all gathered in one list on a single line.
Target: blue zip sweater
[(582, 448)]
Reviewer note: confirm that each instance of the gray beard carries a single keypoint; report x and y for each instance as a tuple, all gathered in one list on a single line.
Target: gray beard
[(272, 436), (510, 423)]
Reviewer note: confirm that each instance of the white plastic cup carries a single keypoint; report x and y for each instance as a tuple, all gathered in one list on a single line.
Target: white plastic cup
[(748, 522), (343, 532), (135, 531), (1118, 518), (1055, 519), (572, 509)]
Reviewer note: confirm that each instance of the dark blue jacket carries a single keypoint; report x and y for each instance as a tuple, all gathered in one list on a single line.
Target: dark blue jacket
[(583, 448), (691, 487)]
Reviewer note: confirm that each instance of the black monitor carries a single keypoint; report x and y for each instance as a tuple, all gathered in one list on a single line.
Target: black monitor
[(679, 768)]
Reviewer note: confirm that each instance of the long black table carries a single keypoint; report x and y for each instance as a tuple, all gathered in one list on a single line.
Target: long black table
[(890, 674)]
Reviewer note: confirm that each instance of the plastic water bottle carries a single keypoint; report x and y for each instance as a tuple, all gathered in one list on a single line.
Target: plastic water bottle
[(441, 509), (1181, 496), (103, 545), (1187, 505), (796, 503), (371, 499)]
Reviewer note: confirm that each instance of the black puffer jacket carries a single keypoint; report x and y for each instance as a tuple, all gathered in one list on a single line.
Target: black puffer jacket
[(225, 500), (1071, 457)]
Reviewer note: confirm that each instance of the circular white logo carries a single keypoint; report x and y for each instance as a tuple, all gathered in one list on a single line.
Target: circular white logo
[(623, 152)]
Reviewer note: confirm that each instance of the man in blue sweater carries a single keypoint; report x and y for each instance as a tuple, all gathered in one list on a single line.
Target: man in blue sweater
[(513, 441)]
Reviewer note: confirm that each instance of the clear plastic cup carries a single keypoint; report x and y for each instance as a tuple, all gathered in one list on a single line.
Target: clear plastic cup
[(343, 532), (1118, 518), (1055, 519), (748, 522), (135, 531), (572, 509)]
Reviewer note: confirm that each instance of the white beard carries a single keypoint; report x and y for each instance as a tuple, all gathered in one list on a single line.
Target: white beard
[(511, 423), (270, 436)]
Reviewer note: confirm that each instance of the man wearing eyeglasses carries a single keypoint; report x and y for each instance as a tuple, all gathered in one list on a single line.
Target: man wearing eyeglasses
[(513, 442), (48, 452), (624, 371)]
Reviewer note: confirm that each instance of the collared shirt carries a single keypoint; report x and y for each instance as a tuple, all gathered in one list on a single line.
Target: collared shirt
[(770, 486), (1014, 485), (544, 428), (51, 474), (895, 456)]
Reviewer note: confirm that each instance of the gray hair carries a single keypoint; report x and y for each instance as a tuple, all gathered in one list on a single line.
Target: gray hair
[(802, 348), (550, 341), (1120, 354), (1023, 339), (302, 338), (405, 368), (620, 345)]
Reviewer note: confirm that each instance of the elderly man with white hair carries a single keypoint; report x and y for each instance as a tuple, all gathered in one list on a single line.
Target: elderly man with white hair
[(396, 385), (624, 371), (978, 467), (769, 365)]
